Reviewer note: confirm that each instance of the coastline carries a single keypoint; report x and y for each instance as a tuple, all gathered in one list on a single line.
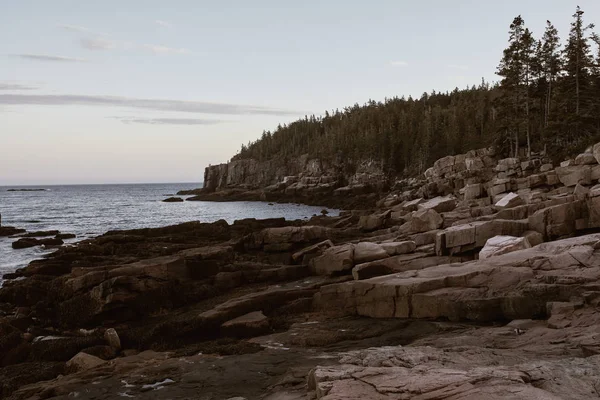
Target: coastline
[(463, 282)]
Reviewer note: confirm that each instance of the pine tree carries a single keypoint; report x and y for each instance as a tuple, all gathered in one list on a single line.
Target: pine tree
[(551, 65), (515, 71), (578, 65)]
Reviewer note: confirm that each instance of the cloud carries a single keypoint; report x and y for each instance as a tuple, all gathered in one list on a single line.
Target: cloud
[(399, 63), (169, 121), (91, 40), (162, 23), (80, 29), (165, 50), (98, 44), (457, 66), (201, 107), (45, 57), (15, 86)]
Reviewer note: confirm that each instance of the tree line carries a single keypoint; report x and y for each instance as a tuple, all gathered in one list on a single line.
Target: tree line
[(548, 98)]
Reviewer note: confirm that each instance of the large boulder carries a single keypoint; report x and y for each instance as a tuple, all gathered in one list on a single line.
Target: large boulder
[(503, 244), (585, 159), (397, 248), (440, 204), (509, 201), (473, 191), (82, 362), (423, 221), (367, 251), (472, 236), (371, 222), (248, 325), (112, 338), (572, 175), (334, 260)]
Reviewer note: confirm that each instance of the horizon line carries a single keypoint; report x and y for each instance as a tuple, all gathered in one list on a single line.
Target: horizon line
[(2, 185)]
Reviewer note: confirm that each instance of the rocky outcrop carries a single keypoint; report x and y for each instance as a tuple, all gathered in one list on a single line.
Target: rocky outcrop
[(427, 373), (321, 182), (487, 273)]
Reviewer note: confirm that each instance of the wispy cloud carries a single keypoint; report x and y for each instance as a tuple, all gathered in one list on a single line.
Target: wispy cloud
[(199, 107), (169, 121), (15, 86), (399, 63), (98, 44), (157, 49), (162, 23), (45, 57), (458, 66), (95, 41), (80, 29)]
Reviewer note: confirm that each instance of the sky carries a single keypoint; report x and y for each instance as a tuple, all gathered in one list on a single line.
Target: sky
[(154, 91)]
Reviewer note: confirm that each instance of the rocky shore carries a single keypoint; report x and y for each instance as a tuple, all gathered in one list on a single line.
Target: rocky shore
[(480, 279)]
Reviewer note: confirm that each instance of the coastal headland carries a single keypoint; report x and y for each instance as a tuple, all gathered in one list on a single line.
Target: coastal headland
[(478, 279)]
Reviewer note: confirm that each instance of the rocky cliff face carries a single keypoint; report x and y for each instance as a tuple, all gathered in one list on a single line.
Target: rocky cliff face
[(299, 173)]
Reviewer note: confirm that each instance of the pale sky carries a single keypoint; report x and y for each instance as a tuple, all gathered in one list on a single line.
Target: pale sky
[(153, 91)]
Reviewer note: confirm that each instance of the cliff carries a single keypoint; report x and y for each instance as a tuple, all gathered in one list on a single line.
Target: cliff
[(300, 179)]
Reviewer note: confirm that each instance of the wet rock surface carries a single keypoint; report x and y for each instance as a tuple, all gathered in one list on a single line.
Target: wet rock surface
[(481, 280)]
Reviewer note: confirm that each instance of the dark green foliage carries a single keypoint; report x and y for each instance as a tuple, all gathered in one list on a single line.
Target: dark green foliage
[(405, 135), (548, 98)]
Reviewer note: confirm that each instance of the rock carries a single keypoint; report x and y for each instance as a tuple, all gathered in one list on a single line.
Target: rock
[(248, 325), (503, 244), (24, 243), (585, 159), (334, 260), (286, 236), (461, 372), (509, 201), (173, 200), (82, 362), (50, 242), (112, 338), (413, 204), (424, 220), (64, 236), (367, 251), (534, 238), (471, 236), (41, 233), (514, 285), (371, 222), (439, 204), (473, 191), (596, 152), (397, 248), (572, 175), (581, 191), (315, 248), (546, 167), (474, 164), (10, 230)]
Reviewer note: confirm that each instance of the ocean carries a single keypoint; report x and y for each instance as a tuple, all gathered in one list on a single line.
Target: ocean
[(90, 210)]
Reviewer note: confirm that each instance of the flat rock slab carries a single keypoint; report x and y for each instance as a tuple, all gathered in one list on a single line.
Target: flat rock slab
[(424, 373), (516, 285), (251, 324)]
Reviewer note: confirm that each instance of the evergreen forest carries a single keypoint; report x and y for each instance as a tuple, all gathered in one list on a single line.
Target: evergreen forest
[(547, 99)]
